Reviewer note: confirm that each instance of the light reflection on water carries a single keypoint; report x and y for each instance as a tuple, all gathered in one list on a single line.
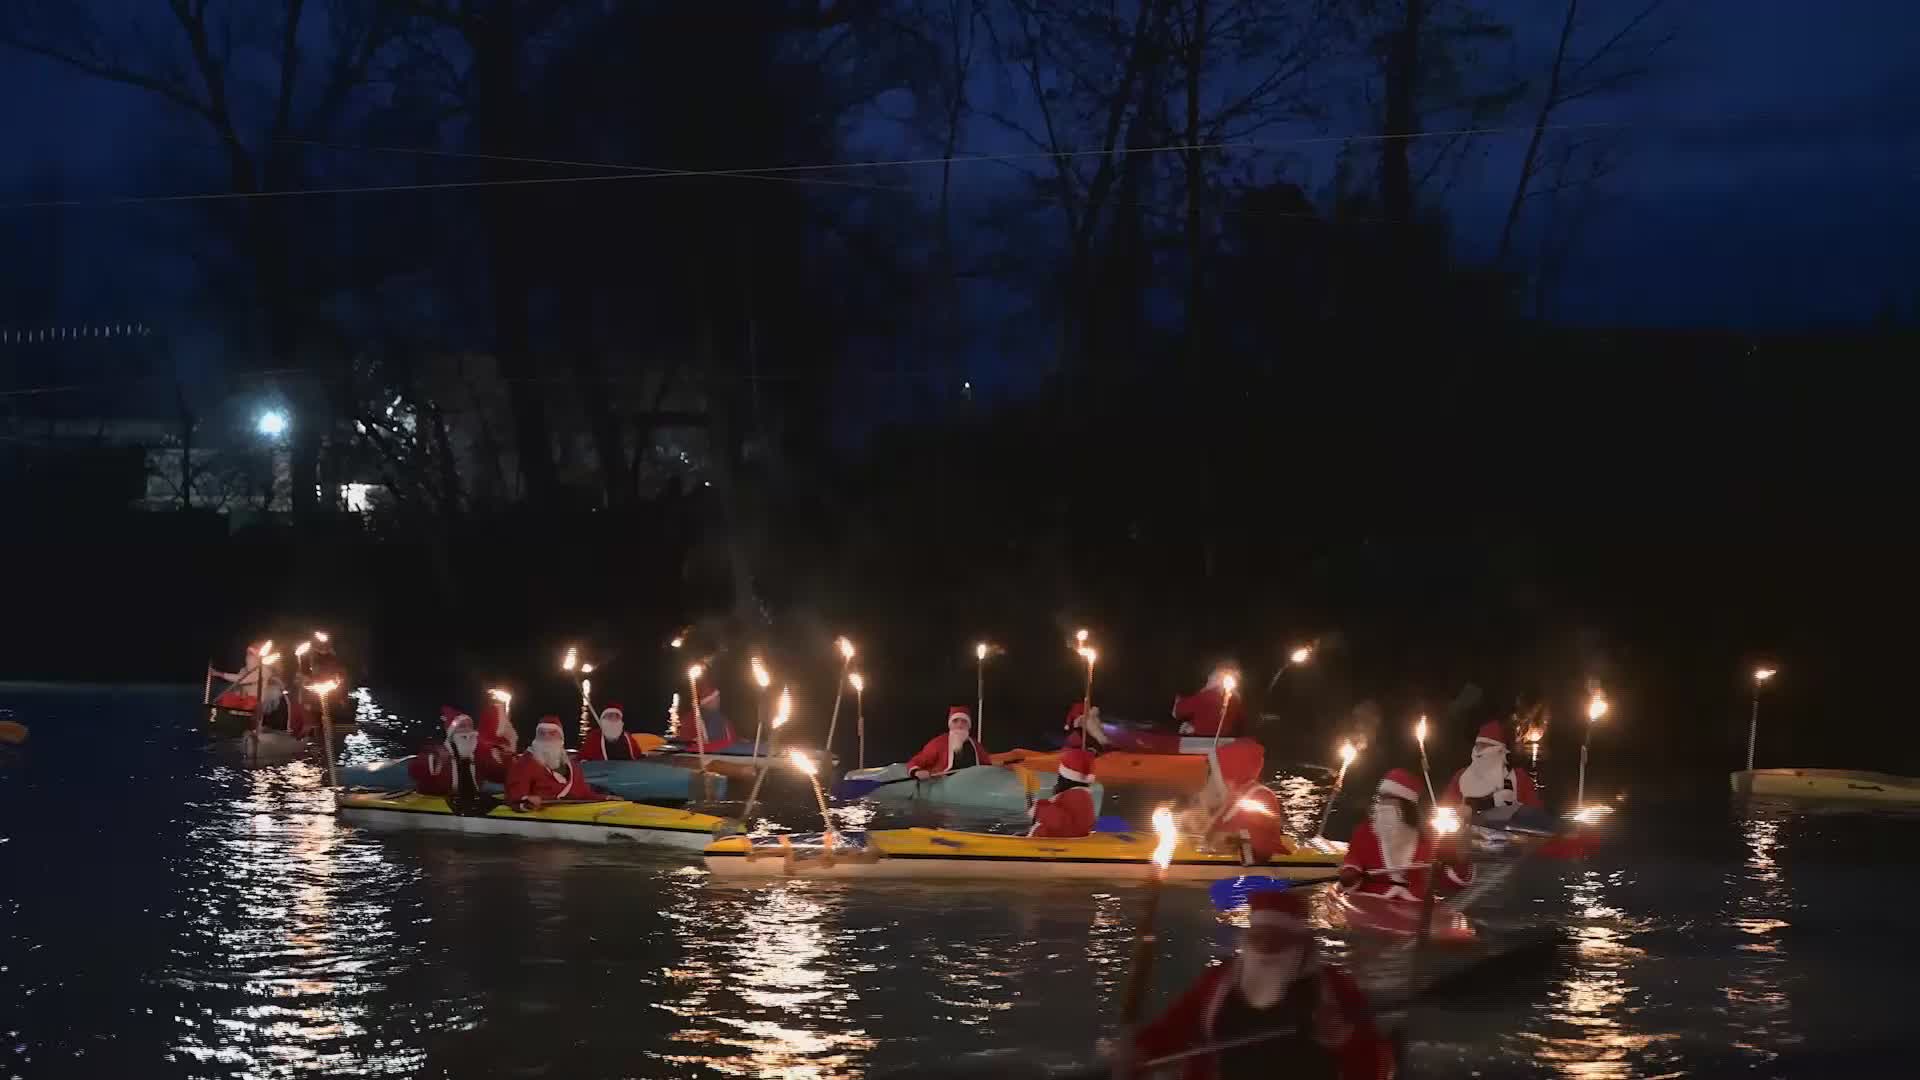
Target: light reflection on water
[(1757, 994)]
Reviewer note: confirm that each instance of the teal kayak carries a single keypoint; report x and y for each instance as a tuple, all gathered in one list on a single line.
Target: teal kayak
[(635, 781), (987, 788)]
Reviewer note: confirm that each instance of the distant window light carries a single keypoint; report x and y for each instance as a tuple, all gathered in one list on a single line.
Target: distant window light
[(355, 498)]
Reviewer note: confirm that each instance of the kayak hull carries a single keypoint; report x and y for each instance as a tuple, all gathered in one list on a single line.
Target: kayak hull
[(738, 767), (608, 821), (639, 781), (1123, 768), (944, 853), (1844, 784), (227, 723), (1380, 915), (985, 788)]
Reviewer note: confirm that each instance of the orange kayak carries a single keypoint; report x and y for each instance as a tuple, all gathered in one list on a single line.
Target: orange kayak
[(1185, 772)]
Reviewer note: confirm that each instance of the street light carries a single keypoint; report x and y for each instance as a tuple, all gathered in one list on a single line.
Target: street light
[(272, 423), (1761, 676), (1300, 654)]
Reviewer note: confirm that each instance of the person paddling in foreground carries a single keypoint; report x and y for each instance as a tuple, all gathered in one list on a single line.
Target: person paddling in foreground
[(1290, 1012), (1488, 782), (610, 740), (546, 772), (497, 744), (1070, 811), (1235, 812), (1200, 714), (1391, 856), (449, 768), (957, 749)]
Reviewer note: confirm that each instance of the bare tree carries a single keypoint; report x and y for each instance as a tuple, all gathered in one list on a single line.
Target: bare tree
[(1616, 58), (191, 57)]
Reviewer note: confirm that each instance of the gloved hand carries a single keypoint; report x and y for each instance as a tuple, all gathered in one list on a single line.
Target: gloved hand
[(921, 774), (1350, 877)]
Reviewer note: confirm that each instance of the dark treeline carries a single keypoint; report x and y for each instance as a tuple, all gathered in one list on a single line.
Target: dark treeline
[(630, 355)]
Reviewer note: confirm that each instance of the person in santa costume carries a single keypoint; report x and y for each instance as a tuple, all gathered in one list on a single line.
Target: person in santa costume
[(1070, 811), (1391, 856), (253, 684), (498, 742), (1199, 714), (1289, 1012), (713, 722), (546, 772), (1084, 730), (1488, 782), (956, 749), (1235, 811), (610, 740), (449, 768)]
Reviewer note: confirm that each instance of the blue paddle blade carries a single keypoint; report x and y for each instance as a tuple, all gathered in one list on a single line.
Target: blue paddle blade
[(1111, 824), (854, 789), (1231, 893)]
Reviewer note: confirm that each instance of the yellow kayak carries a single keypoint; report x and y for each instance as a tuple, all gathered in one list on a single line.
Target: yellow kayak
[(598, 821), (919, 853), (1828, 784)]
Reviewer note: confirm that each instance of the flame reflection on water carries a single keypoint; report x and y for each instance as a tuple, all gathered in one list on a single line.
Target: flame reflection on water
[(1757, 999)]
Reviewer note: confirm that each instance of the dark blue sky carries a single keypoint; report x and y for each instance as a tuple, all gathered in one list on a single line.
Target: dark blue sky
[(1766, 183)]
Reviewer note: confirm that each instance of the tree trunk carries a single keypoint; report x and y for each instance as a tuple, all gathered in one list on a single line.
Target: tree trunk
[(1196, 56), (1529, 160), (1396, 171)]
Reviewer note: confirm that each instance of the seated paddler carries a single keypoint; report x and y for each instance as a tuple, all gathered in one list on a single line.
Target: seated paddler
[(956, 748), (449, 768), (609, 740), (1235, 811), (1070, 811), (546, 772)]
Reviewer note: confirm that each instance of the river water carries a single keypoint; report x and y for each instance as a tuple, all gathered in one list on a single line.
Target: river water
[(165, 911)]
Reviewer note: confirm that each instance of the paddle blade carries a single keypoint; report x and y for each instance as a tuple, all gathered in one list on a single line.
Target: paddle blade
[(1231, 893), (849, 790), (1569, 848), (1111, 823)]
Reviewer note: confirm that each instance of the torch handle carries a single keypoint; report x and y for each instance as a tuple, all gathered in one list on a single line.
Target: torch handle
[(1143, 949)]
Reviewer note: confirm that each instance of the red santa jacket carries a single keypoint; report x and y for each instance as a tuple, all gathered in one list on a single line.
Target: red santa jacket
[(594, 747), (1202, 711), (1342, 1023), (1264, 829), (937, 759), (1364, 854), (1524, 791), (1066, 815), (529, 777), (492, 756), (432, 770)]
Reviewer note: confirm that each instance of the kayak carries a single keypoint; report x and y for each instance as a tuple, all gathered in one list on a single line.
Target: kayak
[(599, 821), (640, 781), (1369, 913), (229, 723), (986, 788), (1115, 768), (735, 765), (1844, 784), (922, 853)]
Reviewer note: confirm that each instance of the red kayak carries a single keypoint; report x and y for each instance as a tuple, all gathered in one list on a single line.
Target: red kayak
[(1400, 918)]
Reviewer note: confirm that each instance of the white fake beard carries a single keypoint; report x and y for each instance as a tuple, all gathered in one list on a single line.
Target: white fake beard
[(1264, 977), (463, 744), (1486, 774), (1397, 838), (611, 729), (956, 738), (550, 754)]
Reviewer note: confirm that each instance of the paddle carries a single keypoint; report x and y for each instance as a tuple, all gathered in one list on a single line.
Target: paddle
[(1230, 893), (1112, 824)]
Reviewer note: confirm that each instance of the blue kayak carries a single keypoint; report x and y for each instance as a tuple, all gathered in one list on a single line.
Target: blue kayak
[(989, 788), (636, 781)]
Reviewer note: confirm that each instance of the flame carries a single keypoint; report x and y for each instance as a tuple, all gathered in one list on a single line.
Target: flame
[(266, 647), (1587, 815), (1163, 828), (802, 762), (846, 648), (859, 682), (321, 636), (1254, 806), (1089, 655), (1446, 821), (1596, 708), (325, 688), (586, 687), (571, 660), (980, 651), (1347, 754), (678, 640), (784, 710), (499, 695), (303, 648), (1534, 735), (1761, 675), (270, 658), (1420, 730), (586, 669), (1229, 682), (1300, 655), (694, 673), (1080, 637)]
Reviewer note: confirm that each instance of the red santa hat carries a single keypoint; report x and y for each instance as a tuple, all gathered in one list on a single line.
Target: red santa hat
[(1075, 711), (959, 712), (1077, 766), (614, 711), (549, 728), (458, 723), (1401, 784), (1278, 909), (1492, 732), (1240, 762)]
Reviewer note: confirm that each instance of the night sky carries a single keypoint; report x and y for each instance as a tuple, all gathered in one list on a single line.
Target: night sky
[(1766, 185)]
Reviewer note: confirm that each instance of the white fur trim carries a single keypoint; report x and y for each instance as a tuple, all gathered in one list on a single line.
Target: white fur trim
[(1389, 787), (1076, 777)]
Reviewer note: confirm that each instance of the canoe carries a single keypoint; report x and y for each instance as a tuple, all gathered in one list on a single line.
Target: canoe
[(606, 821), (640, 781), (1116, 768), (924, 853), (1371, 914), (985, 788), (1840, 784)]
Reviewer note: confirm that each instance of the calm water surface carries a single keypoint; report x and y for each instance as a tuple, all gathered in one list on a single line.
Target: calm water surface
[(167, 912)]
